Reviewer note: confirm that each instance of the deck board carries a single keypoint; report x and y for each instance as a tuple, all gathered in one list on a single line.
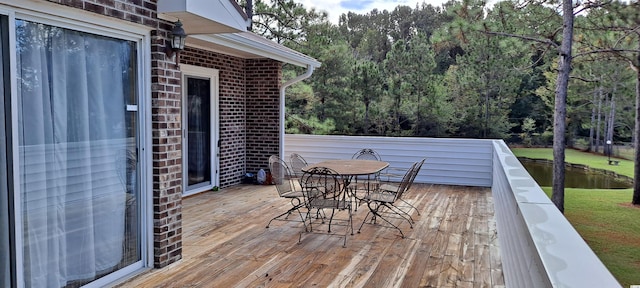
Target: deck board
[(225, 244)]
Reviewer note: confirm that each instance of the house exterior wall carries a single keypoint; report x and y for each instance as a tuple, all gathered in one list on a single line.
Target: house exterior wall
[(166, 140), (258, 80), (232, 90), (249, 110), (263, 117)]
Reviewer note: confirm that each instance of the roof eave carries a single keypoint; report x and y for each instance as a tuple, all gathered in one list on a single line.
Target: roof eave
[(260, 49)]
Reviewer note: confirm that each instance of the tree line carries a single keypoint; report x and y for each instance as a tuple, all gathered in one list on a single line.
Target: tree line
[(451, 71), (466, 69)]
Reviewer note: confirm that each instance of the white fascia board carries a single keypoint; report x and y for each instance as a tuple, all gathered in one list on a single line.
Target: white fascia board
[(204, 16), (261, 49)]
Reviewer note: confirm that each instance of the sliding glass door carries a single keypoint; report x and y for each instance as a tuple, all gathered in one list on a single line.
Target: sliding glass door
[(78, 158)]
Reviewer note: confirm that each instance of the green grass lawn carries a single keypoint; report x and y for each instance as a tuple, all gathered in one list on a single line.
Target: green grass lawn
[(603, 217)]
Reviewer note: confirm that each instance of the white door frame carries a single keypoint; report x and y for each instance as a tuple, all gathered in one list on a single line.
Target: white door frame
[(213, 75)]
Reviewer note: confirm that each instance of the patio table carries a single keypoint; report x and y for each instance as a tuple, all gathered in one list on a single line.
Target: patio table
[(351, 168)]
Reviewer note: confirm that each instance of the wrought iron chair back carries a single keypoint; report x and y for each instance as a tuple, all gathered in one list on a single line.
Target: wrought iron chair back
[(281, 175), (366, 154), (297, 163), (404, 184), (324, 189), (363, 184), (417, 167)]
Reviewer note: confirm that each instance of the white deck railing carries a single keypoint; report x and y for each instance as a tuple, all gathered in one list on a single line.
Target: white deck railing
[(449, 161), (538, 246)]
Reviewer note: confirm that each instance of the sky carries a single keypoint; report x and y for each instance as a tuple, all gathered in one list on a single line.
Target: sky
[(335, 8)]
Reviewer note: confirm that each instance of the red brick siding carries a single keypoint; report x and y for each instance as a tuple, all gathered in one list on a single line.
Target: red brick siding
[(263, 105), (249, 104), (165, 124)]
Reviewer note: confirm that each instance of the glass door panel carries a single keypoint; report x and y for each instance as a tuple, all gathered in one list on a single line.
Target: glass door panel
[(198, 132), (77, 154)]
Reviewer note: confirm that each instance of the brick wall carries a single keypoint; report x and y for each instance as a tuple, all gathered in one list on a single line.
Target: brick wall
[(165, 124), (232, 90), (249, 105), (263, 118), (166, 130), (249, 93)]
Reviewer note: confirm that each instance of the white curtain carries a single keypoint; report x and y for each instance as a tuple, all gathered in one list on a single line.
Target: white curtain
[(72, 126)]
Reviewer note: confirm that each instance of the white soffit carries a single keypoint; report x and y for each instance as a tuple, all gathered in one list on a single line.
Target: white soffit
[(204, 16), (250, 45)]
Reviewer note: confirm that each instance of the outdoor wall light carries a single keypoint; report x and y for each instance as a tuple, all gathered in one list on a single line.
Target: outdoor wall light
[(176, 42)]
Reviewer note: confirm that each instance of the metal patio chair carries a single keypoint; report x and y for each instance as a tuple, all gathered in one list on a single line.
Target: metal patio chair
[(286, 189), (324, 190), (382, 201), (363, 184), (389, 185), (417, 168)]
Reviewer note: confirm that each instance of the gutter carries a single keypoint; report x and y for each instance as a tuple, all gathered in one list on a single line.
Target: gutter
[(301, 77)]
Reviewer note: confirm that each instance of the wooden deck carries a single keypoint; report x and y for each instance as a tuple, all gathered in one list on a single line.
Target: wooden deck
[(225, 244)]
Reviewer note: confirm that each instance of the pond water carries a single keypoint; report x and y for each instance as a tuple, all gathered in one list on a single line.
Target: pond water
[(574, 178)]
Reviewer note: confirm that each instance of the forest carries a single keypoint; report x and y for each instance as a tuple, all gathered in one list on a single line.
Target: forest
[(466, 69)]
